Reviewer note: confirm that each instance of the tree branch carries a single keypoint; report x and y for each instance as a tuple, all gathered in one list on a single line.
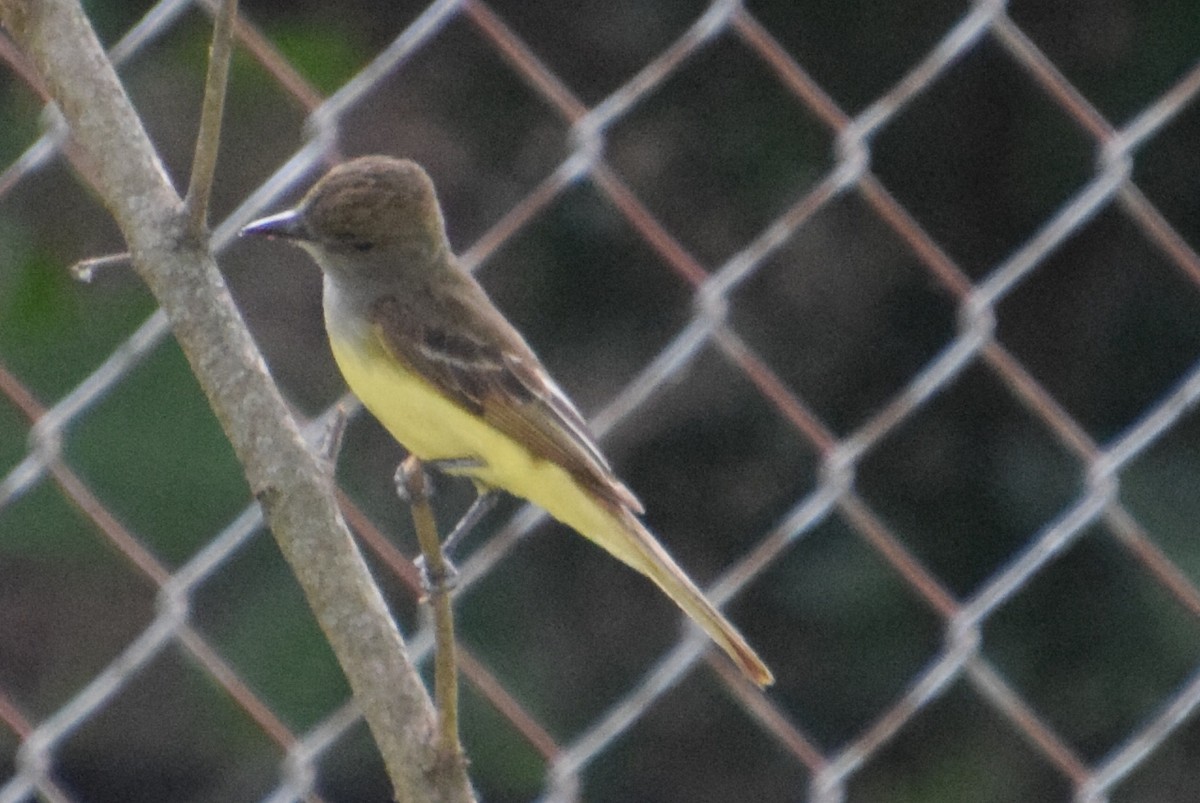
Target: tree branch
[(295, 493), (412, 485)]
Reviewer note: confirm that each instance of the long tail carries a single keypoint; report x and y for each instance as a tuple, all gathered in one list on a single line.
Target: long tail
[(630, 541)]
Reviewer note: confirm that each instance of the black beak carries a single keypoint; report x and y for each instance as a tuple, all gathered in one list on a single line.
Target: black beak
[(288, 225)]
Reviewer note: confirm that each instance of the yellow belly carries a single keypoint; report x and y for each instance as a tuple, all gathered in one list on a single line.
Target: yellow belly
[(432, 427)]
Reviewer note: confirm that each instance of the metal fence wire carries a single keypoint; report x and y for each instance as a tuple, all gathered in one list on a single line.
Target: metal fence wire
[(893, 328)]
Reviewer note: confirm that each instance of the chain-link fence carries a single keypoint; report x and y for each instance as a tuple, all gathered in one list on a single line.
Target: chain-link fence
[(889, 312)]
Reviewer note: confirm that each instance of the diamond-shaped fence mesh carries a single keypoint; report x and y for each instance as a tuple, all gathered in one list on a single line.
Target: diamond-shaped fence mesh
[(890, 313)]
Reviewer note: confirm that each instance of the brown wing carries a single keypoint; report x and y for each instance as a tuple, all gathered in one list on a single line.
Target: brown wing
[(471, 354)]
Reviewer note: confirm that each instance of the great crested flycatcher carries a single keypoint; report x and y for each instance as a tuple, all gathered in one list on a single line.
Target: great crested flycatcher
[(424, 349)]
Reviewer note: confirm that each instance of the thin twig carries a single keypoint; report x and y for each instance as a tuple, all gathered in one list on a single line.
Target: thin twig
[(85, 269), (208, 140), (411, 480)]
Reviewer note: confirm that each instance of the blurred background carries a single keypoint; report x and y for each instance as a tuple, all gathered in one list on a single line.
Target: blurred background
[(938, 387)]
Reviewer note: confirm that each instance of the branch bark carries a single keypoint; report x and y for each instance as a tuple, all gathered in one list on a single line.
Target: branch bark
[(294, 491), (412, 485)]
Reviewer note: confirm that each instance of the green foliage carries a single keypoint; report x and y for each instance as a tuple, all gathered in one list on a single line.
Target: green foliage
[(327, 54)]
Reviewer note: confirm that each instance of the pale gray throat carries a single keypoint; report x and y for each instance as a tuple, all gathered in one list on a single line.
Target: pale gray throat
[(348, 307)]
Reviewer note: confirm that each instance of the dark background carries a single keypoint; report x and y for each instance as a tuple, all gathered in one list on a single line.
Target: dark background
[(845, 314)]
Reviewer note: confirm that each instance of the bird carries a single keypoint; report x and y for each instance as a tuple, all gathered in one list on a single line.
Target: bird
[(425, 350)]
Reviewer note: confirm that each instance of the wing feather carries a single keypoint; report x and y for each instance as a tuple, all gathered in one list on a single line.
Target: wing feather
[(484, 365)]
